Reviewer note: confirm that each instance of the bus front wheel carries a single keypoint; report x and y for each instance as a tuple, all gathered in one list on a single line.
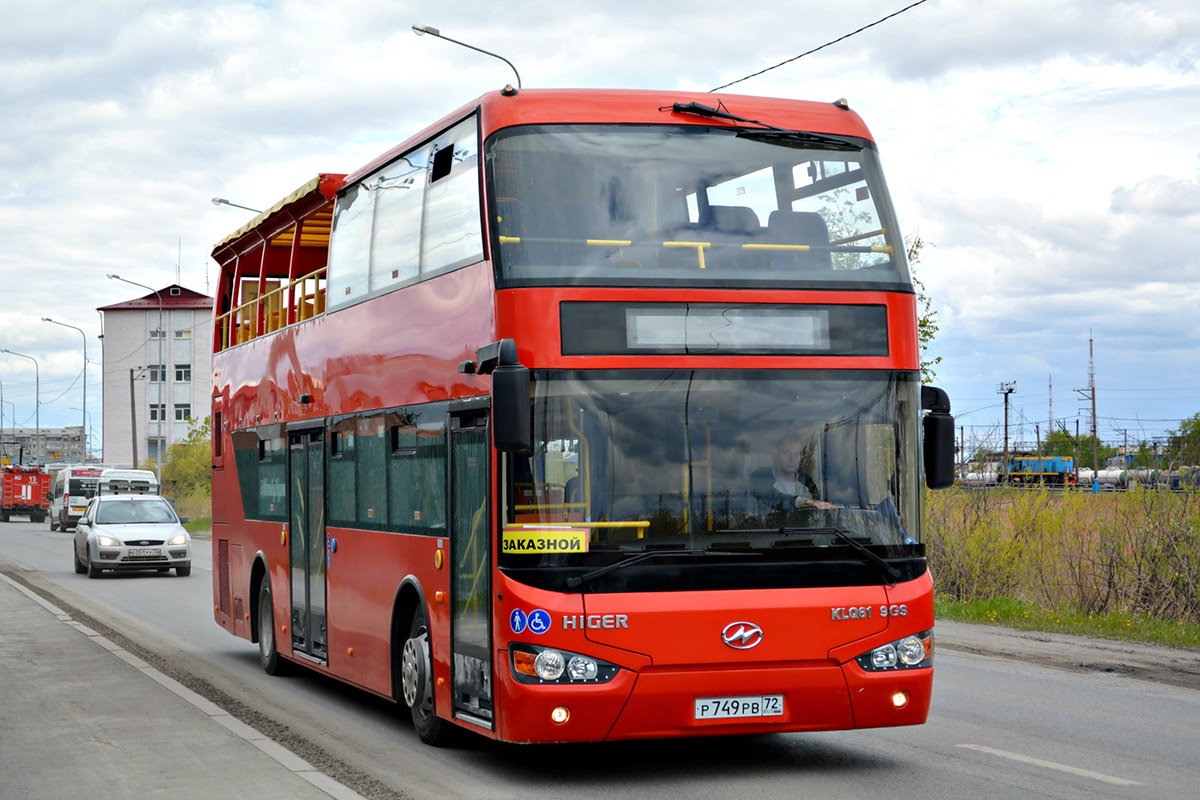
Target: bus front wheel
[(268, 654), (416, 684)]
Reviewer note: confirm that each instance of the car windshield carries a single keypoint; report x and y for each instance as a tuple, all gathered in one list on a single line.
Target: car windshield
[(716, 461), (688, 205), (134, 511)]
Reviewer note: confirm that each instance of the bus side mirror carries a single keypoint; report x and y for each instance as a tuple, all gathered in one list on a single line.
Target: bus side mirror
[(938, 430), (511, 428)]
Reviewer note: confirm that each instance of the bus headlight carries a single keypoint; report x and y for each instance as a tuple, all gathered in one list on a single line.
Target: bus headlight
[(910, 652), (537, 664)]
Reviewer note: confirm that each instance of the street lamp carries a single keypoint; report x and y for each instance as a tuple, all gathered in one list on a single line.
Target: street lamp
[(421, 30), (162, 374), (37, 403), (85, 363), (221, 201)]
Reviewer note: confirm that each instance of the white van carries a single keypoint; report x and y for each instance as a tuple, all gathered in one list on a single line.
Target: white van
[(70, 491), (128, 481)]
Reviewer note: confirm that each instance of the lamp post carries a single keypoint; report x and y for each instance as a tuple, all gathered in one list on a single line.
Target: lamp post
[(162, 374), (12, 416), (85, 363), (421, 30), (37, 403), (2, 422), (221, 201)]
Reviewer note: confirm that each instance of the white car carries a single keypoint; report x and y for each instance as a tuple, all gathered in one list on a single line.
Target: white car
[(131, 532)]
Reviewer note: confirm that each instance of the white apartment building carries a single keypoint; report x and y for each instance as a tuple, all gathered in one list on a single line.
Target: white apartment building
[(155, 378)]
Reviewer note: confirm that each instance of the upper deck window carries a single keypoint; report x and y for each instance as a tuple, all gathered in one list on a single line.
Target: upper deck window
[(689, 205), (415, 218)]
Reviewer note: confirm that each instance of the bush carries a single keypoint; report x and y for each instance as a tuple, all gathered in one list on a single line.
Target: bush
[(1135, 552)]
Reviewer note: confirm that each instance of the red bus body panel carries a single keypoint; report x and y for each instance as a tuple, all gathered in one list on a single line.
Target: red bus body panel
[(404, 348)]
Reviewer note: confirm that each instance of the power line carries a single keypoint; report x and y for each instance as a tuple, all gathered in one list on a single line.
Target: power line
[(822, 47)]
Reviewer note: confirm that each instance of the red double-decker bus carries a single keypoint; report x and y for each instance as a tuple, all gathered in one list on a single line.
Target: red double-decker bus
[(585, 415)]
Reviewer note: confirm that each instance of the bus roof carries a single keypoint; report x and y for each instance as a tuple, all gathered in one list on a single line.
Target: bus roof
[(500, 109), (319, 190)]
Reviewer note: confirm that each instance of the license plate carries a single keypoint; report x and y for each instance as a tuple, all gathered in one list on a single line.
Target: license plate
[(144, 552), (770, 705)]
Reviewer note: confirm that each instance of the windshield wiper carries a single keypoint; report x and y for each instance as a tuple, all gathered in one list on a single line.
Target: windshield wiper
[(849, 540), (769, 132), (840, 535), (798, 138), (576, 580)]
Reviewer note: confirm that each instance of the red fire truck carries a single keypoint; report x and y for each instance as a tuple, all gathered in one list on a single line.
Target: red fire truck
[(25, 491)]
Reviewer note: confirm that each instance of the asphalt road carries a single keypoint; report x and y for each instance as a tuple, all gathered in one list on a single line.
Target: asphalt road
[(1000, 727)]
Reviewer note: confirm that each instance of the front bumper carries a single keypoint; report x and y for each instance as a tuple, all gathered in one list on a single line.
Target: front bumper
[(121, 558)]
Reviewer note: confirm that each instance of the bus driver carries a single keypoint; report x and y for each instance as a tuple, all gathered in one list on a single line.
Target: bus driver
[(787, 484)]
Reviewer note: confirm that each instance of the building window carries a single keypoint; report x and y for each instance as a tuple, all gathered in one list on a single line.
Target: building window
[(158, 412), (185, 334), (182, 411), (183, 373), (158, 373), (158, 334)]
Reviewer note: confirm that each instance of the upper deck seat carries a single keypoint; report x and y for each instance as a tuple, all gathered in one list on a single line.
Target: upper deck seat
[(730, 227), (799, 227)]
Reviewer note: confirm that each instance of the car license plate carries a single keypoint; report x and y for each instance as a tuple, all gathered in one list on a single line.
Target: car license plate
[(145, 552), (770, 705)]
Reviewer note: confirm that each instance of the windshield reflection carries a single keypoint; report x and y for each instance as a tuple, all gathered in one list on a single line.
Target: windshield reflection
[(719, 461)]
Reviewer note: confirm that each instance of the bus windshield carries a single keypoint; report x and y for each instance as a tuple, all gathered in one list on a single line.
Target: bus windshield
[(694, 460), (688, 205)]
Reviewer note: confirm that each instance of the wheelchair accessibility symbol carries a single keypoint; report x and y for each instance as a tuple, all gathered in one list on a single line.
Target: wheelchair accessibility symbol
[(539, 621)]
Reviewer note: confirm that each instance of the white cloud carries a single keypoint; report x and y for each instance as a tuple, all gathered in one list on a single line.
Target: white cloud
[(1047, 152)]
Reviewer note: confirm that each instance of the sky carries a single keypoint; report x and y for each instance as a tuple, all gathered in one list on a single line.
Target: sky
[(1046, 153)]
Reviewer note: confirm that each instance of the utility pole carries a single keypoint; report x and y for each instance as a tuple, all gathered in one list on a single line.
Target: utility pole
[(133, 416), (1006, 389), (1090, 394), (1037, 429)]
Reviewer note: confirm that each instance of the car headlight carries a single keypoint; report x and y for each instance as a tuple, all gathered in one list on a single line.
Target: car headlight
[(178, 539), (536, 664), (911, 652), (108, 541)]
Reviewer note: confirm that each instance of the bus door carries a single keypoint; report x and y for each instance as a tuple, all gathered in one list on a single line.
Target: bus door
[(470, 553), (306, 542)]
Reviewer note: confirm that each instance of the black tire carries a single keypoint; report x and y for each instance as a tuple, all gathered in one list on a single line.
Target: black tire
[(92, 570), (268, 654), (54, 524), (80, 567), (416, 684), (183, 572)]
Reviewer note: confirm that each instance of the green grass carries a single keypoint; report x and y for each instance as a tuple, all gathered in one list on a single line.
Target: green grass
[(198, 524), (1032, 617)]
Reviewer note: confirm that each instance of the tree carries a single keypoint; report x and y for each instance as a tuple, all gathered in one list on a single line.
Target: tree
[(927, 326), (188, 463), (1183, 444)]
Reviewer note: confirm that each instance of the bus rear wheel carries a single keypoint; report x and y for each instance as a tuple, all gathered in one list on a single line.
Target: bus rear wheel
[(416, 684)]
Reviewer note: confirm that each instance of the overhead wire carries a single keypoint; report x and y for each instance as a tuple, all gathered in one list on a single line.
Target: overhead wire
[(822, 47)]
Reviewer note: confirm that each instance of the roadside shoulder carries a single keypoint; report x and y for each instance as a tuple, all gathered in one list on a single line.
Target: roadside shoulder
[(1081, 653)]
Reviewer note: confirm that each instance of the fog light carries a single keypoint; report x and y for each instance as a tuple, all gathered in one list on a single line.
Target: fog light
[(560, 715), (900, 699)]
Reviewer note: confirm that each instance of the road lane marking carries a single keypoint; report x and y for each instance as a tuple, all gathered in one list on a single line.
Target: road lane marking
[(1083, 773)]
